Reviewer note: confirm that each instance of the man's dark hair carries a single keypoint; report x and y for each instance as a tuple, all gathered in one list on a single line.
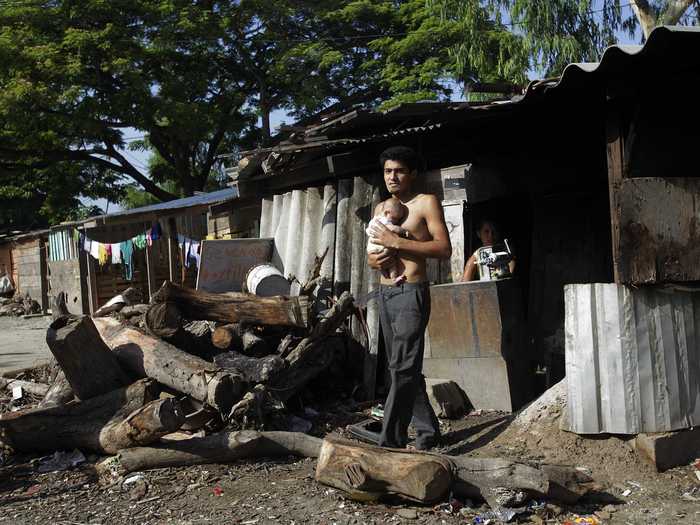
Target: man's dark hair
[(402, 154)]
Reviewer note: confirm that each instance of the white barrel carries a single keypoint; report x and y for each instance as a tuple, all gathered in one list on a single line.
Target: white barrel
[(266, 281)]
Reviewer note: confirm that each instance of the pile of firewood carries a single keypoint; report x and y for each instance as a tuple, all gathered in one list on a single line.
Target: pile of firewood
[(18, 306)]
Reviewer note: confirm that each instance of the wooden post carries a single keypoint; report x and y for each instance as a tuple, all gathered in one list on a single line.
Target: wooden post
[(616, 172), (92, 282), (150, 272), (173, 248)]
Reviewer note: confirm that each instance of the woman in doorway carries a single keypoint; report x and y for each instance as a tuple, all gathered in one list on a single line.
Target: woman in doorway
[(488, 234)]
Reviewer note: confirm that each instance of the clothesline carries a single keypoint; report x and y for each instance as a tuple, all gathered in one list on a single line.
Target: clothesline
[(123, 252)]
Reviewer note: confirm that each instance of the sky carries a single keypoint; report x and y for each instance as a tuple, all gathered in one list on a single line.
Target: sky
[(140, 158)]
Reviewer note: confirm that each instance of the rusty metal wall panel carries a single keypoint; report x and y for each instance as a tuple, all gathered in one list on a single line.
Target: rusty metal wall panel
[(632, 358), (659, 230)]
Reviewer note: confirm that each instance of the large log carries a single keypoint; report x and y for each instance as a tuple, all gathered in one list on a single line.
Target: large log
[(121, 418), (148, 356), (234, 307), (164, 320), (217, 448), (89, 366), (368, 473), (254, 370)]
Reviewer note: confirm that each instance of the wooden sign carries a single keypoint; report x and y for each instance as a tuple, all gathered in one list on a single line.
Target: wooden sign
[(224, 263)]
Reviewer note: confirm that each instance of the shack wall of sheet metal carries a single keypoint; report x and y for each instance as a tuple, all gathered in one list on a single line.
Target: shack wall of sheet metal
[(305, 223), (632, 358)]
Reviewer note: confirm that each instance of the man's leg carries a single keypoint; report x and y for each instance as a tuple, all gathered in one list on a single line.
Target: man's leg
[(424, 419), (401, 311)]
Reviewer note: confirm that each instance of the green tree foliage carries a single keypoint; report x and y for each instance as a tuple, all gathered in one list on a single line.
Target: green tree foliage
[(558, 32), (195, 76)]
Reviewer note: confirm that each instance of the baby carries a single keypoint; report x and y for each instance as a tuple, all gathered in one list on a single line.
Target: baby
[(392, 214)]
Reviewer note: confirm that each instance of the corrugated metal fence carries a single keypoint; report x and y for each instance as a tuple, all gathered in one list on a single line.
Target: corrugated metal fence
[(632, 358)]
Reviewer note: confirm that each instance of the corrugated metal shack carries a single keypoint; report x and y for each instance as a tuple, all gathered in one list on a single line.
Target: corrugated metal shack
[(90, 285), (588, 176)]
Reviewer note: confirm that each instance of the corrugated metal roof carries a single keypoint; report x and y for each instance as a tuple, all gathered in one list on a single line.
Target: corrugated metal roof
[(668, 49), (169, 207)]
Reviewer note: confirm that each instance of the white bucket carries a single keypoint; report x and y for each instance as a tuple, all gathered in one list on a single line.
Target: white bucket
[(266, 281)]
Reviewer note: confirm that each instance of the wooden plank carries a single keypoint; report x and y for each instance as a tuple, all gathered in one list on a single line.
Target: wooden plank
[(615, 157), (659, 230), (225, 262)]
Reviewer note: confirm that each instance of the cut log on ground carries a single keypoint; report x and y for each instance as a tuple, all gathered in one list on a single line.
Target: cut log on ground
[(36, 389), (130, 416), (89, 365), (147, 356), (369, 473), (59, 393), (164, 320), (132, 311), (234, 307), (254, 370), (217, 448), (236, 337), (128, 297)]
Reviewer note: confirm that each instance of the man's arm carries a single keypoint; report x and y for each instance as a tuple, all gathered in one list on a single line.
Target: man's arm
[(439, 247)]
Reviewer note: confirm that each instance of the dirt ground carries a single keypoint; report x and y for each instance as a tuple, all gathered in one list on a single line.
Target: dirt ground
[(23, 342), (248, 492)]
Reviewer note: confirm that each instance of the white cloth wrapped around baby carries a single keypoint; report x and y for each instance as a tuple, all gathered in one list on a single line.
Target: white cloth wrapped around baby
[(392, 213)]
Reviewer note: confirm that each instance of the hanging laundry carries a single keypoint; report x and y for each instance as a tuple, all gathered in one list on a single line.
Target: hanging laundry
[(194, 252), (127, 251), (81, 242), (116, 253), (102, 254), (140, 241), (95, 250), (156, 231)]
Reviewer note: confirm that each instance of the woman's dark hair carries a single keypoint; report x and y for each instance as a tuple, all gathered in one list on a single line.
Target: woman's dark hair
[(402, 154), (487, 220)]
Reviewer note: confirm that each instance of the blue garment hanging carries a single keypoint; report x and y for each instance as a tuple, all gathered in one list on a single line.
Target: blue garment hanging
[(127, 249)]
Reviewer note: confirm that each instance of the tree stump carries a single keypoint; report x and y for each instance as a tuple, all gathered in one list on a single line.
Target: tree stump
[(89, 365)]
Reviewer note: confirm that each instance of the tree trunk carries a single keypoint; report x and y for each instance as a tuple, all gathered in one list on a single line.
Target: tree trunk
[(367, 473), (105, 424), (254, 370), (370, 472), (217, 448), (234, 307), (147, 356), (164, 320), (235, 337), (90, 367)]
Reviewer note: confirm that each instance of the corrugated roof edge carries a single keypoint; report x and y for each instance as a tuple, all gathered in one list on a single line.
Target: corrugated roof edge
[(202, 199), (609, 57)]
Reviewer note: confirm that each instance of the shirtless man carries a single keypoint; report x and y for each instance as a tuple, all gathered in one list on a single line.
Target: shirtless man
[(404, 309)]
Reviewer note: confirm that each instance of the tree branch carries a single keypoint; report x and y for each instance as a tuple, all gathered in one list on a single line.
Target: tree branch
[(128, 169), (645, 14), (674, 11)]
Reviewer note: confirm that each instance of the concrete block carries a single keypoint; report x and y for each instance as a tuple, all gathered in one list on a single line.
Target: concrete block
[(447, 399), (669, 449)]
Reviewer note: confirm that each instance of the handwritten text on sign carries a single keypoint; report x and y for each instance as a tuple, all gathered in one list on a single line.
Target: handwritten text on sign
[(225, 262)]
